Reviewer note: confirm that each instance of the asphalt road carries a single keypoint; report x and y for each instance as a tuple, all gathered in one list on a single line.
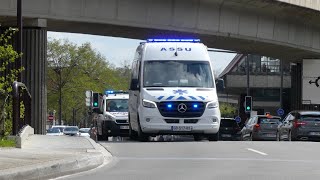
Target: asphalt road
[(205, 160)]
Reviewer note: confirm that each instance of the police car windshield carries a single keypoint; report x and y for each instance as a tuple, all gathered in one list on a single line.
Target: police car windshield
[(177, 74), (117, 105)]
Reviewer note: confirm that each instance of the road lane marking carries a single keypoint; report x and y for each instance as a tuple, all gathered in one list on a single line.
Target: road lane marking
[(212, 159), (256, 151)]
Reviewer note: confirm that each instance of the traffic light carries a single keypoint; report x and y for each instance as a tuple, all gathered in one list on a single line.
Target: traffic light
[(248, 104), (95, 100)]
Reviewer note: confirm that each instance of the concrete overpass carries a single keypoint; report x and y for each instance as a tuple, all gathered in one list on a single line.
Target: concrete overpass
[(285, 29)]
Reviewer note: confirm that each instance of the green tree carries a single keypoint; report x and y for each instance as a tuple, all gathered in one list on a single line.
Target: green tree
[(8, 57), (227, 110), (81, 68)]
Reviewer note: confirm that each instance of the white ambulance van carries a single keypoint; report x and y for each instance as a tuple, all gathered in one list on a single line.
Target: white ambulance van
[(172, 91), (113, 121)]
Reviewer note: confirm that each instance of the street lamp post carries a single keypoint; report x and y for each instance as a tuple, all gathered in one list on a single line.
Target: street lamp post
[(58, 71), (19, 44), (60, 97)]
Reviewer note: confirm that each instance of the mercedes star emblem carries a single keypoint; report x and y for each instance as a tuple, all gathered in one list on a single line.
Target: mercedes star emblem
[(182, 108)]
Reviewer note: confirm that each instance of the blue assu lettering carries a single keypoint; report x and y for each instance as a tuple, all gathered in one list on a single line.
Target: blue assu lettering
[(173, 49)]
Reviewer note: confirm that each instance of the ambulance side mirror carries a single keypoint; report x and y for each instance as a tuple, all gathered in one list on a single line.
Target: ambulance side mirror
[(220, 85), (134, 86)]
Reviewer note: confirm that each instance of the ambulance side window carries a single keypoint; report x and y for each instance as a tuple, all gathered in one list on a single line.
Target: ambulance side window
[(134, 85), (134, 70), (138, 70)]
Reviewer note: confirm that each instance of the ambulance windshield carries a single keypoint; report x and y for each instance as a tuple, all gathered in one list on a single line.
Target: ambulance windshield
[(117, 105), (177, 74)]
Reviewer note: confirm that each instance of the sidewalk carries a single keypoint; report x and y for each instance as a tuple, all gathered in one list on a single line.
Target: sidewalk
[(46, 157)]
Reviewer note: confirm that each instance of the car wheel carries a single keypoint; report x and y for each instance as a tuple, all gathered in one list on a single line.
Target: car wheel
[(104, 135), (241, 137), (197, 137), (290, 136), (278, 136), (161, 138), (142, 137), (132, 133), (213, 137), (99, 137), (250, 137)]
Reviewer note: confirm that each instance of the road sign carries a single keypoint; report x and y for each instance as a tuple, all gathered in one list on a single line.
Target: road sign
[(280, 112), (88, 94), (89, 98), (237, 119), (50, 117), (88, 102)]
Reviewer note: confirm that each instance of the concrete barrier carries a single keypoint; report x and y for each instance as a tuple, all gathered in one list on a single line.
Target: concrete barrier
[(23, 135)]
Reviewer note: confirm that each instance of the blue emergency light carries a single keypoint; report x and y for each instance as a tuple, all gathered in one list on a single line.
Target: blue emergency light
[(109, 92), (169, 106), (173, 40), (195, 106)]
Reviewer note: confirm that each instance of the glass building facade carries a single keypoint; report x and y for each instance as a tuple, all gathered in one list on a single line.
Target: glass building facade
[(260, 65)]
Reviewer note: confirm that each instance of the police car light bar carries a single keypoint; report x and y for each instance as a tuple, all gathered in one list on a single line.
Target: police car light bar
[(173, 40)]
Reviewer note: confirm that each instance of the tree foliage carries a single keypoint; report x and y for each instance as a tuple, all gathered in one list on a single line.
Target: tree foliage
[(81, 68), (8, 75), (227, 110)]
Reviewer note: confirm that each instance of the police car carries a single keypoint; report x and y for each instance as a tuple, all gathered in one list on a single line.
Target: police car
[(113, 121)]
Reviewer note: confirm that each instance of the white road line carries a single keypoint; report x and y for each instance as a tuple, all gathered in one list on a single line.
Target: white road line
[(211, 159), (256, 151)]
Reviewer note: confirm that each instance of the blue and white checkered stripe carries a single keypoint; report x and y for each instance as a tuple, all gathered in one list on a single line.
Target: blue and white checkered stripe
[(192, 98)]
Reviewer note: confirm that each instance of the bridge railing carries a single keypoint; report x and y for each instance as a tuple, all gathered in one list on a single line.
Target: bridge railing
[(20, 93)]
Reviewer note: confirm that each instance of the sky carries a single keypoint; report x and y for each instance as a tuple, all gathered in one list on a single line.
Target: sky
[(118, 50)]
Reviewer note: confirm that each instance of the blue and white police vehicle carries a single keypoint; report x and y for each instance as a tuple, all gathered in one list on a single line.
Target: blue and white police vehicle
[(172, 90), (113, 119)]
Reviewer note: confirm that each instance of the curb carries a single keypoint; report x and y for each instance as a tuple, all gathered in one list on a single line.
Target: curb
[(100, 148), (58, 168)]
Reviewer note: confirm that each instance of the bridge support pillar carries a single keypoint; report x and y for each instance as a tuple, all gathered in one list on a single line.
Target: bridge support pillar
[(35, 74), (296, 87), (34, 61)]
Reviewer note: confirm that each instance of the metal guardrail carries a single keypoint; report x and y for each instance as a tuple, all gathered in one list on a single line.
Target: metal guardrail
[(17, 122)]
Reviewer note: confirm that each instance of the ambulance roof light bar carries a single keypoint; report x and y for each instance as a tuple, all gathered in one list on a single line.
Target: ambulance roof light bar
[(174, 40), (107, 92)]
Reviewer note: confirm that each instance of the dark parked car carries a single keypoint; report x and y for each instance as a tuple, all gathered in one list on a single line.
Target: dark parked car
[(71, 130), (300, 125), (261, 127), (229, 129)]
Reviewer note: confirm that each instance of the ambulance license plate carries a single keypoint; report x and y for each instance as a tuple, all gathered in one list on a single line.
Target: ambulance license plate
[(181, 128)]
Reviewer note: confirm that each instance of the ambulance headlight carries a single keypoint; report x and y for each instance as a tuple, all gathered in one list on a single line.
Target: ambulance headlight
[(149, 104), (212, 104)]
